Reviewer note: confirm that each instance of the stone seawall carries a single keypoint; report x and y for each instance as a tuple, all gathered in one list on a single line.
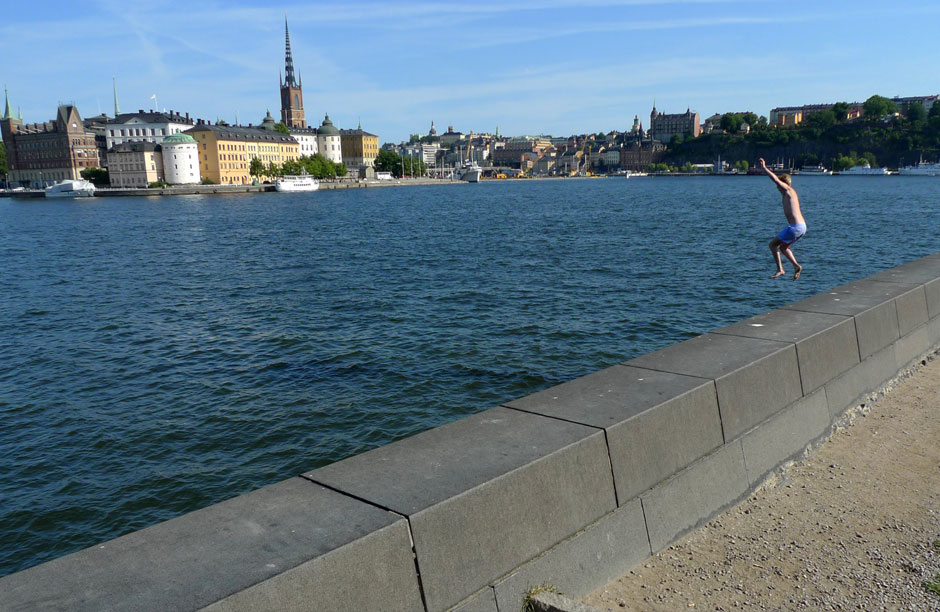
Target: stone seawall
[(571, 486)]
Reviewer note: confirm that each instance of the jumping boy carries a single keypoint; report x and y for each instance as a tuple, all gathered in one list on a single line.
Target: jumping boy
[(796, 227)]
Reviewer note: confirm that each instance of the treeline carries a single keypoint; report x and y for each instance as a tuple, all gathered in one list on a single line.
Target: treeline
[(884, 136), (315, 165), (389, 161)]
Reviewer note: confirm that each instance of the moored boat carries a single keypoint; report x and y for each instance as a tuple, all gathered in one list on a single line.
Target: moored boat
[(920, 169), (71, 188), (864, 170), (817, 170), (297, 182)]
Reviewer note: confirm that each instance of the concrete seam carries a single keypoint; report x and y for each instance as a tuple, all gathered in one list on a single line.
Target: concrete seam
[(721, 420), (613, 478), (414, 556), (646, 524), (747, 473)]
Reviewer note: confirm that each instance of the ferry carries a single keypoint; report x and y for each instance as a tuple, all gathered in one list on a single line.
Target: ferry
[(71, 188), (864, 170), (297, 182), (921, 169), (817, 170)]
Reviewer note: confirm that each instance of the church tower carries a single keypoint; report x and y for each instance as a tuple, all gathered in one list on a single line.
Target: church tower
[(292, 96)]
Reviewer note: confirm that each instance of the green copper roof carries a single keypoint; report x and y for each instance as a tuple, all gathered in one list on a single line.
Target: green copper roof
[(180, 137), (327, 128)]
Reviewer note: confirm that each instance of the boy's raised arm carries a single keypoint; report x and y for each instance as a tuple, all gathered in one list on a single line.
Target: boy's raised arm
[(772, 176)]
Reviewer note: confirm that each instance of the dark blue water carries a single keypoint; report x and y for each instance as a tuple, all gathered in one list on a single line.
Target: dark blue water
[(159, 355)]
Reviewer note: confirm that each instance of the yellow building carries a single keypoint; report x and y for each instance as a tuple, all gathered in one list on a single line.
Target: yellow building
[(359, 148), (225, 152)]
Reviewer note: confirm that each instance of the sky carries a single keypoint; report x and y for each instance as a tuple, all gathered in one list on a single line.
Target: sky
[(556, 67)]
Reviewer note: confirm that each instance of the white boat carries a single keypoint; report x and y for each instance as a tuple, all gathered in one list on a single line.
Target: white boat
[(468, 171), (71, 188), (816, 170), (297, 182), (921, 169), (864, 170), (631, 174)]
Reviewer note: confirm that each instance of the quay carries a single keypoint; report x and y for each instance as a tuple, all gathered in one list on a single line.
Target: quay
[(573, 486)]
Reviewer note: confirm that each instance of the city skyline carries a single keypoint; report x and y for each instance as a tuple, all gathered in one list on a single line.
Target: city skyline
[(554, 69)]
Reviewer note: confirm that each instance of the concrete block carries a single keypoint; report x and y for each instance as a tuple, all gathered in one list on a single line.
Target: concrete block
[(691, 497), (484, 494), (912, 310), (872, 373), (657, 423), (754, 378), (872, 304), (933, 334), (826, 345), (912, 347), (286, 546), (915, 272), (484, 601), (603, 552), (554, 602), (932, 291), (785, 435)]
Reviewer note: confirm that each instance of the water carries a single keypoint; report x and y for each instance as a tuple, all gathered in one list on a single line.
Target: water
[(159, 355)]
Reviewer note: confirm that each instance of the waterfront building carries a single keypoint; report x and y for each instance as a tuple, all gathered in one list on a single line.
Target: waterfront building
[(545, 164), (98, 125), (145, 126), (306, 137), (512, 153), (180, 160), (135, 164), (292, 95), (637, 154), (225, 152), (359, 148), (329, 141), (664, 127), (39, 154)]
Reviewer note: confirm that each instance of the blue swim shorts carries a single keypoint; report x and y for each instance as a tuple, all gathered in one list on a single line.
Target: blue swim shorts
[(792, 233)]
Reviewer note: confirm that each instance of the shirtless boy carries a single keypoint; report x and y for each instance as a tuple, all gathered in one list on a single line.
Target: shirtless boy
[(796, 227)]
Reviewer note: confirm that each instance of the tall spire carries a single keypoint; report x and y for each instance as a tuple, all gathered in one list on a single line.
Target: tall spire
[(288, 60), (117, 109), (7, 114)]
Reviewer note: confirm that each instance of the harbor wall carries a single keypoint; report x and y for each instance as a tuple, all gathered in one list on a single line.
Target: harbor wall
[(571, 486)]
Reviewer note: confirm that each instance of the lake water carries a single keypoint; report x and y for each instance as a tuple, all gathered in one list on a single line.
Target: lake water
[(158, 355)]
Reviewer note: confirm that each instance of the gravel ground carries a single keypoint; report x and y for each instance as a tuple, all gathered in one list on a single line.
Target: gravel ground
[(854, 526)]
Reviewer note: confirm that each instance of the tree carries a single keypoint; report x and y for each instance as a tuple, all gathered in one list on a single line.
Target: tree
[(256, 168), (98, 176), (822, 120), (273, 169), (208, 181), (731, 122), (877, 107), (841, 111), (388, 161), (280, 127), (916, 112)]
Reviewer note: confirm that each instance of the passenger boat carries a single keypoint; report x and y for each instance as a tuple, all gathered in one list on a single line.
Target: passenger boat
[(468, 171), (817, 170), (297, 182), (920, 169), (864, 170), (71, 188)]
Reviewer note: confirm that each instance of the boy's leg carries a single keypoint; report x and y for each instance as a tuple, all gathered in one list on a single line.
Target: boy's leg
[(775, 245), (797, 268)]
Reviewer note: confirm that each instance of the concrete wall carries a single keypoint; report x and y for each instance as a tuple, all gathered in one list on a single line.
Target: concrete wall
[(571, 486)]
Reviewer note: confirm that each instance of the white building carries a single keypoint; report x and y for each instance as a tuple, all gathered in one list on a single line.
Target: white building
[(305, 137), (145, 127), (180, 160), (329, 141)]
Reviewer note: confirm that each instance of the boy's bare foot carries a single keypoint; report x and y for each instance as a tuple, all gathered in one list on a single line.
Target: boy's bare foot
[(779, 274), (796, 274)]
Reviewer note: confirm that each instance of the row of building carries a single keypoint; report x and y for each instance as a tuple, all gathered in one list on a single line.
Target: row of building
[(145, 147)]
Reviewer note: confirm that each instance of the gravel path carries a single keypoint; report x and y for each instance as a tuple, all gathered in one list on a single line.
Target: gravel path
[(855, 526)]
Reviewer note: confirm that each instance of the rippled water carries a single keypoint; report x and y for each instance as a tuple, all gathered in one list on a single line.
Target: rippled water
[(161, 354)]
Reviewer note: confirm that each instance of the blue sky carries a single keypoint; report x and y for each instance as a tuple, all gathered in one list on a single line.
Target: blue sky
[(553, 67)]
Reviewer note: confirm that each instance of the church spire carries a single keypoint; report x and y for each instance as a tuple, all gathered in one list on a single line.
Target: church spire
[(7, 114), (117, 109), (288, 59)]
